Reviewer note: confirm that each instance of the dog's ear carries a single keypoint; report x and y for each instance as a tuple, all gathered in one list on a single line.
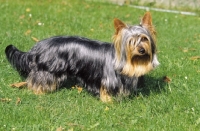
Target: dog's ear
[(118, 24), (146, 20), (147, 23)]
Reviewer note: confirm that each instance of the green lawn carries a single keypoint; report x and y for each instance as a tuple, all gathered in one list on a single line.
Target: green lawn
[(158, 106)]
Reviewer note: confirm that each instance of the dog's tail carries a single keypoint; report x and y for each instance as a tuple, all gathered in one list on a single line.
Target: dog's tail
[(18, 60)]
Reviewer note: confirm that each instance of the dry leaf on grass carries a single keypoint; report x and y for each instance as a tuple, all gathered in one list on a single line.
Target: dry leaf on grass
[(107, 108), (35, 39), (79, 88), (19, 85), (28, 9), (166, 79), (74, 124), (22, 17), (27, 32), (5, 99), (59, 128), (192, 49), (94, 126), (18, 101), (70, 129), (188, 49), (195, 58)]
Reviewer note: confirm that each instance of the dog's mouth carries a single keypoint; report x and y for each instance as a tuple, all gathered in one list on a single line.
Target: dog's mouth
[(141, 59)]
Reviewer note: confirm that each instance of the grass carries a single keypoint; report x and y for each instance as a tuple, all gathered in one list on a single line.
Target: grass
[(158, 106)]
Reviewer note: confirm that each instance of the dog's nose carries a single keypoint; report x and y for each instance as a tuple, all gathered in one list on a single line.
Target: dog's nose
[(141, 51)]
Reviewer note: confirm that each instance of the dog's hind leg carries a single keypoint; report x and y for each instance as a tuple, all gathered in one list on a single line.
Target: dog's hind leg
[(42, 82)]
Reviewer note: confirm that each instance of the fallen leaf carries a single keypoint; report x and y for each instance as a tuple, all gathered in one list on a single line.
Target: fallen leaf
[(107, 108), (80, 89), (35, 39), (28, 9), (94, 126), (27, 32), (59, 129), (87, 6), (18, 101), (74, 124), (92, 29), (5, 99), (19, 85), (128, 15), (192, 49), (166, 79), (22, 17), (70, 129), (195, 58), (101, 25), (188, 49), (185, 50)]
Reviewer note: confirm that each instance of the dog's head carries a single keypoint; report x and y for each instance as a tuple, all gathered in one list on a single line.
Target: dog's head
[(135, 47)]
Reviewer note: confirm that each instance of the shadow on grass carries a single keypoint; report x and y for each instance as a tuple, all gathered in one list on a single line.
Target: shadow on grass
[(147, 85), (150, 84)]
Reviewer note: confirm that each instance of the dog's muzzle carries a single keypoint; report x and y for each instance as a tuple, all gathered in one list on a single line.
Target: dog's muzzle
[(141, 50)]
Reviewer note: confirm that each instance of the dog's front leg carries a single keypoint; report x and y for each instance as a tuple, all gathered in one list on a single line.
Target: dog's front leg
[(104, 95)]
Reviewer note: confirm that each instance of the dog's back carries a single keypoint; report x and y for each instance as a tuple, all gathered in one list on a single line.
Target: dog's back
[(52, 60), (51, 52)]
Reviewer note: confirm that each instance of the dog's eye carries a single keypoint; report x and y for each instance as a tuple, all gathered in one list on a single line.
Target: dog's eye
[(144, 39), (130, 42)]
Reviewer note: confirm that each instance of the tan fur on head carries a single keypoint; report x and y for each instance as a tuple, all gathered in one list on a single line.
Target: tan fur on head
[(128, 40), (119, 25), (137, 64), (146, 22)]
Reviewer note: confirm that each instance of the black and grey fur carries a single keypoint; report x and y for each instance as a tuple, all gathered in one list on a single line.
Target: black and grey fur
[(49, 64)]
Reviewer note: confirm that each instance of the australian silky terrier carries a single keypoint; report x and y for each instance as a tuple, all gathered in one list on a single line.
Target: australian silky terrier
[(103, 68)]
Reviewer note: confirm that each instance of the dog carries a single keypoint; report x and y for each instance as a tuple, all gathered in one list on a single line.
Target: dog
[(105, 69)]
